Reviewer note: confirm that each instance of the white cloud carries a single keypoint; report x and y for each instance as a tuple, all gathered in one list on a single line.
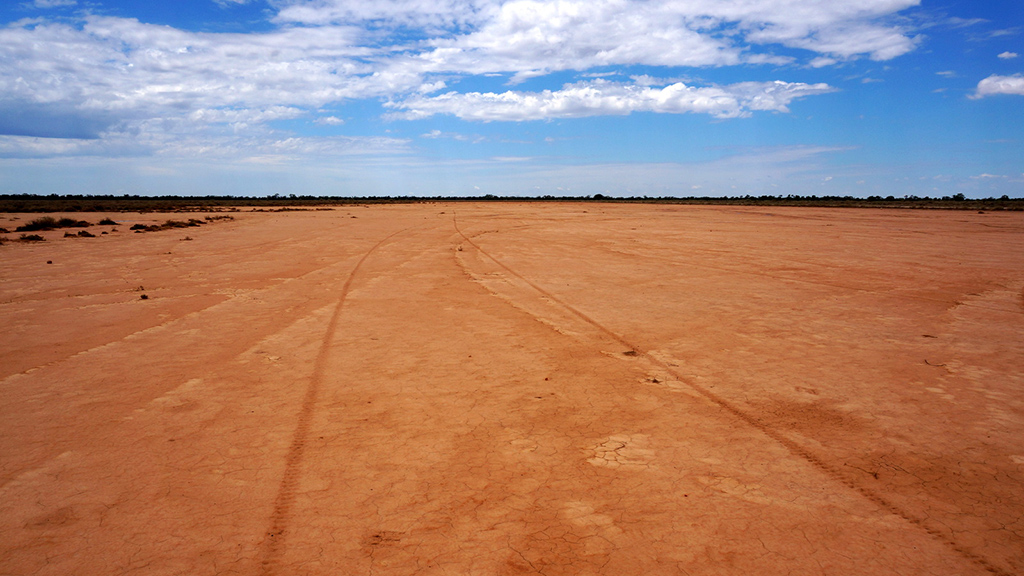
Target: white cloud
[(434, 14), (996, 84), (53, 3), (101, 77), (822, 61), (437, 134), (947, 73), (599, 98), (964, 22), (534, 37), (1008, 55), (243, 117), (329, 121), (200, 146)]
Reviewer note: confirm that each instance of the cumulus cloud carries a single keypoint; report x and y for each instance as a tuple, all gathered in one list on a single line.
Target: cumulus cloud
[(1008, 55), (124, 81), (996, 84), (117, 64), (625, 29), (596, 98), (100, 76), (533, 37)]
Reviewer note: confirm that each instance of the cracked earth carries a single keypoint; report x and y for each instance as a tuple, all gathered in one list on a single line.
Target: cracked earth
[(505, 388)]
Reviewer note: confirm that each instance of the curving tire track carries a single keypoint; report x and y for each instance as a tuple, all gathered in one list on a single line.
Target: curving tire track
[(274, 542), (792, 446)]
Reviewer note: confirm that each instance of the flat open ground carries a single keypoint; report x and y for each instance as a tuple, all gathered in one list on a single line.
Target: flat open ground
[(517, 389)]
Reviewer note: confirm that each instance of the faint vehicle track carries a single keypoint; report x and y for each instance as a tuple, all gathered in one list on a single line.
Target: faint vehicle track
[(792, 446), (281, 515)]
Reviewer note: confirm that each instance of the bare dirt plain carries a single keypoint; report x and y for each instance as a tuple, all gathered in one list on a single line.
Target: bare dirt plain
[(517, 389)]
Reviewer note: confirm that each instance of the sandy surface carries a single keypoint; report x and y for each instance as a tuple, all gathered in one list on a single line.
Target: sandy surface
[(517, 389)]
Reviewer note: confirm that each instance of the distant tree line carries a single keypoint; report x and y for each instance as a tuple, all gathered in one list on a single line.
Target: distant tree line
[(130, 203)]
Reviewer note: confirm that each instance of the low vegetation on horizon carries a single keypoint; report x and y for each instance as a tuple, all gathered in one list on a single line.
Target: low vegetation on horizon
[(111, 203)]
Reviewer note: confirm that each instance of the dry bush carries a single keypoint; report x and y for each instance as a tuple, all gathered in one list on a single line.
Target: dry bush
[(42, 223)]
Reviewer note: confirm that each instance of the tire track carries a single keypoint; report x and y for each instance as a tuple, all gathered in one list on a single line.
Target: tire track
[(274, 542), (792, 446)]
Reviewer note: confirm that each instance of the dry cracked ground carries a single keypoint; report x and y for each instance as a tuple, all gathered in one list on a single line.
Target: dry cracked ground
[(491, 389)]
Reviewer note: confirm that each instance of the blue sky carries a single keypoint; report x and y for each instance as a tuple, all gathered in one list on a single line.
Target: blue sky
[(512, 97)]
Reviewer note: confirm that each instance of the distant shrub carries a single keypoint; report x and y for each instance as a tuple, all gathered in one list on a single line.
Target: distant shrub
[(138, 227), (107, 222), (72, 223), (43, 223), (70, 235), (31, 238), (4, 231), (86, 234), (51, 223)]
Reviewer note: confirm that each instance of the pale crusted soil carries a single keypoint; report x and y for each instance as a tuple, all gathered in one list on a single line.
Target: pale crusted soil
[(518, 389)]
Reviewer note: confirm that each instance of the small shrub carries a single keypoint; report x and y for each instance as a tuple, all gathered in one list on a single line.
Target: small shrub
[(138, 227), (31, 238), (72, 223), (86, 234), (4, 230), (107, 222), (44, 223), (70, 235)]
